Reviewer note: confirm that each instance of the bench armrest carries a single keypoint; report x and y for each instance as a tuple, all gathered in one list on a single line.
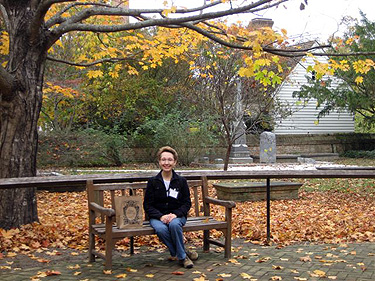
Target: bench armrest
[(227, 204), (104, 211)]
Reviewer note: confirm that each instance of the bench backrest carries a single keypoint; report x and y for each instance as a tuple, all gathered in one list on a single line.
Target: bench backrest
[(104, 193)]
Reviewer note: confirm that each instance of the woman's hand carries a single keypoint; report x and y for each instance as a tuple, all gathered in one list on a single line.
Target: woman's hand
[(168, 218)]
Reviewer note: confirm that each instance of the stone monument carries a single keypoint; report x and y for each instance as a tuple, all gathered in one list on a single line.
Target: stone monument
[(267, 153), (240, 152)]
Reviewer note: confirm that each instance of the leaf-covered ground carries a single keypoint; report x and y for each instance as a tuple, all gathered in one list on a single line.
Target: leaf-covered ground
[(327, 211)]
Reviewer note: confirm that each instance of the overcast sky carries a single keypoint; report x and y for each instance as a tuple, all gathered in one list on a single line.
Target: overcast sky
[(318, 20)]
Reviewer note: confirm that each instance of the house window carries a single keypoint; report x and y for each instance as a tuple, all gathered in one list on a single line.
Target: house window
[(313, 73)]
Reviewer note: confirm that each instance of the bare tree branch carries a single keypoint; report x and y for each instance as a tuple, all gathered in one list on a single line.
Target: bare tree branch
[(57, 17), (89, 63), (39, 16), (74, 23)]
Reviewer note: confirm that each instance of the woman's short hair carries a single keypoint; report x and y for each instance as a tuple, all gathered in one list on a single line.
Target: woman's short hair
[(167, 149)]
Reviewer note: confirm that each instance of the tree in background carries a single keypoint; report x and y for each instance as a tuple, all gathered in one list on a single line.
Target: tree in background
[(125, 105), (355, 76), (62, 93), (231, 95)]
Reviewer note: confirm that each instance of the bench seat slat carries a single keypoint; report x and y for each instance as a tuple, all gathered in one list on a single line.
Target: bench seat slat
[(193, 224)]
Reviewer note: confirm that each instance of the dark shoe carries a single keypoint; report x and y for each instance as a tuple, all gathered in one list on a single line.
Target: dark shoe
[(193, 255), (187, 263)]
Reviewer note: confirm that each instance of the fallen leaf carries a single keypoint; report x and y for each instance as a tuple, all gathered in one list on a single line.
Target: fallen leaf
[(305, 259), (43, 260), (119, 276), (318, 273), (128, 269), (178, 273), (245, 275), (150, 275), (41, 274), (9, 233), (300, 278), (277, 267), (52, 272), (77, 273), (264, 259), (200, 279), (332, 255), (5, 267), (107, 272), (224, 275), (276, 278)]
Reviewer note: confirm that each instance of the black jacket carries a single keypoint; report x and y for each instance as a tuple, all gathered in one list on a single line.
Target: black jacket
[(156, 202)]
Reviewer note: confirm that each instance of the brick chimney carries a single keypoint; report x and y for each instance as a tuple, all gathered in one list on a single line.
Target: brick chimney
[(260, 22)]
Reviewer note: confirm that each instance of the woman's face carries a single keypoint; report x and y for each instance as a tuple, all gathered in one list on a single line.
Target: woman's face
[(167, 161)]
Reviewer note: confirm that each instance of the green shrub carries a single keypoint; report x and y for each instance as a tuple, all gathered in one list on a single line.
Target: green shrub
[(189, 137), (359, 154), (86, 148)]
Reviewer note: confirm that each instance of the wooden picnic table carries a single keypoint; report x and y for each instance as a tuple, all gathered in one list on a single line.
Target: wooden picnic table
[(80, 180)]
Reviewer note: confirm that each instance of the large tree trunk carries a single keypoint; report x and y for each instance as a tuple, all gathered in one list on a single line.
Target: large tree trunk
[(18, 157), (19, 113)]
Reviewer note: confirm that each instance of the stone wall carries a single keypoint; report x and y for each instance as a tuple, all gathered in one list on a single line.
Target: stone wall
[(319, 143), (286, 144)]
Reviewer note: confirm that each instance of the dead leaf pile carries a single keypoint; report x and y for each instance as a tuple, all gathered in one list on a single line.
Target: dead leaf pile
[(330, 217)]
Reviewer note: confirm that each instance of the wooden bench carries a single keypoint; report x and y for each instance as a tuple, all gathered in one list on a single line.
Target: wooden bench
[(102, 217)]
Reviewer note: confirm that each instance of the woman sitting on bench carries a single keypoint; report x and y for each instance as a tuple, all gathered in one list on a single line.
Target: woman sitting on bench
[(167, 203)]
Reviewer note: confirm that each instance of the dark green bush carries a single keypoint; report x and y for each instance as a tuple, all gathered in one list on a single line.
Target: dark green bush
[(359, 154), (189, 137), (86, 148)]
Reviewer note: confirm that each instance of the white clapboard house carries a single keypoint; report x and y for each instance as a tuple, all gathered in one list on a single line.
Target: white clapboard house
[(304, 118)]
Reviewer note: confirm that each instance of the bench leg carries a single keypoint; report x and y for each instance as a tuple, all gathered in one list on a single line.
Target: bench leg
[(228, 246), (132, 245), (228, 241), (108, 254), (109, 242), (206, 242), (91, 247)]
